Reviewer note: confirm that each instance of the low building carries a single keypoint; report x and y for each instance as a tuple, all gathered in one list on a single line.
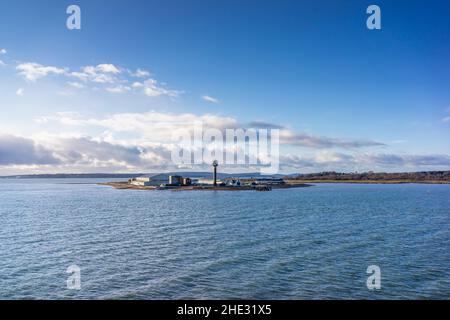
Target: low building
[(207, 182), (175, 180), (150, 180), (157, 180)]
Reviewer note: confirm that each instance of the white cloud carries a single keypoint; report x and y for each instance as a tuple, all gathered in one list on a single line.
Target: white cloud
[(103, 73), (98, 77), (333, 161), (34, 71), (20, 92), (446, 119), (81, 153), (210, 99), (158, 127), (404, 160), (67, 118), (101, 68), (140, 141), (152, 88), (150, 126), (65, 93), (80, 75), (107, 68), (76, 85), (105, 76), (3, 51), (118, 89), (141, 73), (137, 85), (318, 142)]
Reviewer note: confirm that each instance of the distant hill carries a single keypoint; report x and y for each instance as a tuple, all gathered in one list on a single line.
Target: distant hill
[(438, 176)]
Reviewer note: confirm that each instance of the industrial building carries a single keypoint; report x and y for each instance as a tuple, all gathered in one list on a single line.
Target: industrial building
[(158, 180), (208, 182), (175, 180), (154, 180), (169, 181)]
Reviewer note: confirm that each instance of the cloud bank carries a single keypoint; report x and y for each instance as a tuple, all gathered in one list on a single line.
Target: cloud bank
[(87, 154), (140, 142)]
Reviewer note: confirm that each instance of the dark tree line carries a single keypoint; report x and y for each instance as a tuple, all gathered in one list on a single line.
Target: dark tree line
[(379, 176)]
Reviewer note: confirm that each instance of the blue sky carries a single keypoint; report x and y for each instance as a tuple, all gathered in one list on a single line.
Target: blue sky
[(311, 67)]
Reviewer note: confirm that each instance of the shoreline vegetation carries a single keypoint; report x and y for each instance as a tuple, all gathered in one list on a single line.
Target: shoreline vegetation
[(426, 177)]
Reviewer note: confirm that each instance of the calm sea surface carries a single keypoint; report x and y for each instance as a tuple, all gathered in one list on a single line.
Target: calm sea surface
[(307, 243)]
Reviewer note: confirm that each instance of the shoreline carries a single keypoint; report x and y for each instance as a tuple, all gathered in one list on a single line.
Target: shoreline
[(127, 186), (290, 184)]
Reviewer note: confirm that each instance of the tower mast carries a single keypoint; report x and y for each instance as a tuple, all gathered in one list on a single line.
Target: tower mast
[(215, 165)]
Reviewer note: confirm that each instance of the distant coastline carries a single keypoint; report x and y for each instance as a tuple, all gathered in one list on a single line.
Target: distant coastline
[(425, 177)]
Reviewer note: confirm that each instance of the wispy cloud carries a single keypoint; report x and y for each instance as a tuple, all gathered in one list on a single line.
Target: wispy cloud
[(2, 63), (109, 77), (210, 99), (141, 73), (118, 89), (447, 118), (34, 71), (405, 160), (264, 125), (76, 85), (153, 126), (152, 88), (102, 73), (66, 118), (20, 92), (326, 160), (320, 142), (157, 126)]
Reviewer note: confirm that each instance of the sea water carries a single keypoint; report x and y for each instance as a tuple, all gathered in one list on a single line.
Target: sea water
[(305, 243)]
